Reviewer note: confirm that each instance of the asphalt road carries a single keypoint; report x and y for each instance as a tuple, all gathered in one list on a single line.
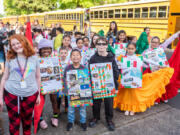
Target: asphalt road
[(162, 119)]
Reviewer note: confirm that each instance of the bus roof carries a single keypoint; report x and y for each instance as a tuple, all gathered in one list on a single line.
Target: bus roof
[(130, 3), (67, 10)]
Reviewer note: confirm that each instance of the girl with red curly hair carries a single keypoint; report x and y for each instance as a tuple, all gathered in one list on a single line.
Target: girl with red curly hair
[(20, 84)]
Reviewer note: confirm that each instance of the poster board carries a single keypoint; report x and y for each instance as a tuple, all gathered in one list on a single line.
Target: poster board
[(89, 53), (120, 49), (158, 56), (103, 85), (131, 72), (79, 88), (51, 75)]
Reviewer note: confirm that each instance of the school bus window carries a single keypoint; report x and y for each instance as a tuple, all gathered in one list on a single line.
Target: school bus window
[(153, 11), (77, 16), (130, 13), (105, 14), (69, 16), (168, 12), (95, 14), (117, 13), (162, 12), (111, 13), (91, 15), (124, 13), (100, 14), (72, 17), (144, 12), (137, 13)]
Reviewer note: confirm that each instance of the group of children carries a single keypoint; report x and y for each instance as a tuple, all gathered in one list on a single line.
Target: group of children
[(72, 52)]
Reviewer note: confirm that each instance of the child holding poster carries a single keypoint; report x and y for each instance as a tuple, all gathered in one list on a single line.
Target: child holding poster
[(45, 50), (138, 96), (63, 53), (67, 44), (103, 56), (160, 57), (121, 43), (73, 89)]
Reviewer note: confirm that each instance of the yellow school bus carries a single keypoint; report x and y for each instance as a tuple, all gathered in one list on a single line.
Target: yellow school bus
[(22, 19), (133, 17), (174, 19), (37, 16), (68, 18)]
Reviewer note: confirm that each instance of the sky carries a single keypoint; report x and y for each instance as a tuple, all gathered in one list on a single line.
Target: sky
[(1, 7)]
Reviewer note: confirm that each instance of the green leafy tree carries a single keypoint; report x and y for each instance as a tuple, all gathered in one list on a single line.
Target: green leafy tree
[(66, 4), (10, 8), (18, 7), (28, 6)]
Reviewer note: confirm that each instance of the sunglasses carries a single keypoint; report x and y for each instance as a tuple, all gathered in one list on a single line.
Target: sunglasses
[(101, 44)]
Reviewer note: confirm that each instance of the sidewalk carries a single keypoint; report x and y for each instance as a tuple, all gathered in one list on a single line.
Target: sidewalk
[(159, 120)]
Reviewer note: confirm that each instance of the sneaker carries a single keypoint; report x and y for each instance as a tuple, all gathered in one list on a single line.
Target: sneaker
[(156, 103), (165, 101), (43, 124), (54, 122), (126, 113), (110, 125), (131, 113), (84, 126), (93, 122), (69, 126)]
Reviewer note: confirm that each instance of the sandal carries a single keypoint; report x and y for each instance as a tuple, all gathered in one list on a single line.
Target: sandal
[(43, 124), (54, 122)]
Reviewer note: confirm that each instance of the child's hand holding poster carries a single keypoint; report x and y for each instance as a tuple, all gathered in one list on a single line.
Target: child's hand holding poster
[(79, 90), (120, 49), (131, 73), (158, 56), (51, 75), (102, 80)]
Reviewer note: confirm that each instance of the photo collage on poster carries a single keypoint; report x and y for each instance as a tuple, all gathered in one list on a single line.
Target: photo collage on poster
[(131, 73), (102, 80), (158, 56), (79, 89), (51, 75)]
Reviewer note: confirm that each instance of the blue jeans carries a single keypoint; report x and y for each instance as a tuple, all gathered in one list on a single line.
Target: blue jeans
[(71, 114)]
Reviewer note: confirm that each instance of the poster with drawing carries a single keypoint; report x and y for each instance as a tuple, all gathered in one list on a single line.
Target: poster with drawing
[(79, 88), (158, 56), (120, 49), (131, 72), (102, 80), (51, 75), (89, 53)]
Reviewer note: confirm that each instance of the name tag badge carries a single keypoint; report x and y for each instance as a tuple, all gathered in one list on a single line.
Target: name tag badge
[(23, 84)]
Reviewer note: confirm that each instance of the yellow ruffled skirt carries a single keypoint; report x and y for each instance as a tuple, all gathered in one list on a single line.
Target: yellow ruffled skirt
[(139, 99)]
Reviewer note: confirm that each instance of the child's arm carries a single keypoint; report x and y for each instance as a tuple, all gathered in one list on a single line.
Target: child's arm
[(170, 40), (150, 62), (3, 81), (115, 72), (64, 81)]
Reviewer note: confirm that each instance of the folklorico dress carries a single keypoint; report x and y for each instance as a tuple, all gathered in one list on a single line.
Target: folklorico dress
[(172, 87), (139, 99)]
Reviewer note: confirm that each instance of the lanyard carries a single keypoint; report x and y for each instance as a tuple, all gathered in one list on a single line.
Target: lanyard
[(21, 69)]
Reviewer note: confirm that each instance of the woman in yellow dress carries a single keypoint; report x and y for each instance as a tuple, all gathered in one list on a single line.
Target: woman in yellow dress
[(132, 100)]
